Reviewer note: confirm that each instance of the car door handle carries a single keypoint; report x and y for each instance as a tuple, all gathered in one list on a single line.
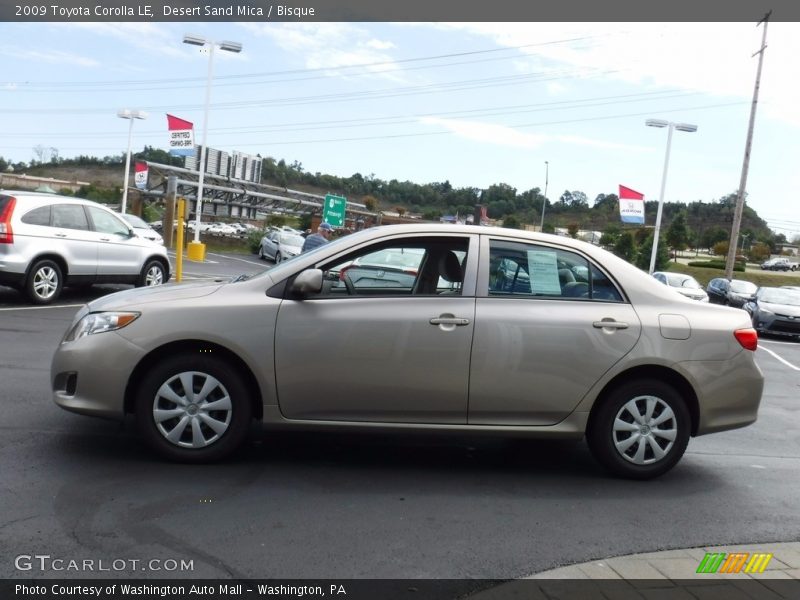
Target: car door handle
[(449, 321), (60, 234), (610, 323), (105, 239)]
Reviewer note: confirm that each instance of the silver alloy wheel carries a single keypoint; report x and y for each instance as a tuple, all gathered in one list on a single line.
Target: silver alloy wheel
[(645, 430), (192, 409), (45, 282), (154, 275)]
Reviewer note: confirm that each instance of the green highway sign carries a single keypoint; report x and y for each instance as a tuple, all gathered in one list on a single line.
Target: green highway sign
[(333, 210)]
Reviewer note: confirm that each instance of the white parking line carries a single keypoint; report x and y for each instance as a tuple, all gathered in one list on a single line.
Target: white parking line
[(784, 361), (42, 307), (251, 262)]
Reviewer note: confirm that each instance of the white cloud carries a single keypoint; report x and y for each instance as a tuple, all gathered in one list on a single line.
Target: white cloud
[(334, 46), (487, 132), (712, 58), (52, 57)]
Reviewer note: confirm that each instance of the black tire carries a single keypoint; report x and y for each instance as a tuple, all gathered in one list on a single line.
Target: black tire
[(153, 273), (44, 282), (261, 252), (193, 439), (278, 257), (609, 425)]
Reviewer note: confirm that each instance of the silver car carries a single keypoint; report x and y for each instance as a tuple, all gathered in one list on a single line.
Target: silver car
[(49, 241), (280, 245), (303, 345), (686, 285)]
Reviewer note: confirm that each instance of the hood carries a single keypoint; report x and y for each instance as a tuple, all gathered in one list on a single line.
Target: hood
[(291, 249), (781, 309), (129, 299), (690, 292)]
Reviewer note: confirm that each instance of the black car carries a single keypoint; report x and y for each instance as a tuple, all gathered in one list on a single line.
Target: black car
[(776, 311), (735, 292)]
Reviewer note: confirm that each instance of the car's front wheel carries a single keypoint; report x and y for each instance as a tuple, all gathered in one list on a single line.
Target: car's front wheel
[(193, 408), (44, 282), (278, 257), (640, 430), (153, 273)]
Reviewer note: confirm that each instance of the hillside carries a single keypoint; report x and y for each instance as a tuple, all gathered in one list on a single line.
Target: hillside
[(707, 222)]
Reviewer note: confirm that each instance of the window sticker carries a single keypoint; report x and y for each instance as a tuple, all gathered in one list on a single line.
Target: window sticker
[(543, 269)]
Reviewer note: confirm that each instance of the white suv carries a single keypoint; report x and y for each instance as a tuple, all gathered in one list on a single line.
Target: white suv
[(49, 241)]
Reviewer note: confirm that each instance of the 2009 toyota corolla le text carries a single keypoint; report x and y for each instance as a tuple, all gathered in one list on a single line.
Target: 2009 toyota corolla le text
[(490, 330)]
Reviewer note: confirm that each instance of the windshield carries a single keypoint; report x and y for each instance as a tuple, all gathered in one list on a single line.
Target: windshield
[(779, 296), (743, 287), (683, 281), (291, 239), (135, 221)]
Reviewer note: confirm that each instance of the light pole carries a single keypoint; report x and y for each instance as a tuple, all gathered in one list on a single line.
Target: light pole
[(744, 238), (680, 127), (544, 201), (130, 115), (235, 47)]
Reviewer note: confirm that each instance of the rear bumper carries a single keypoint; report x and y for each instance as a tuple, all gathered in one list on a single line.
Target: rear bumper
[(731, 392)]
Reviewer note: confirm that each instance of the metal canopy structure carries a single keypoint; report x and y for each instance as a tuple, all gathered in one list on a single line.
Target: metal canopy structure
[(227, 197)]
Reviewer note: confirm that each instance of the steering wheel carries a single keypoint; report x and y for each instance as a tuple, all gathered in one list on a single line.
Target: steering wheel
[(348, 284)]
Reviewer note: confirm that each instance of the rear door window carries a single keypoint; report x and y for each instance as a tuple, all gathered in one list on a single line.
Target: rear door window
[(37, 216), (70, 216)]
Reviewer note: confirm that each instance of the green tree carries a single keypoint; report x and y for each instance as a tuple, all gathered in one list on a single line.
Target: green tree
[(678, 234), (625, 247), (644, 255), (572, 229), (511, 222)]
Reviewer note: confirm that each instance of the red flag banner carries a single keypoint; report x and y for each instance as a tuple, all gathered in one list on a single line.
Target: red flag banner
[(631, 205), (140, 175), (181, 136)]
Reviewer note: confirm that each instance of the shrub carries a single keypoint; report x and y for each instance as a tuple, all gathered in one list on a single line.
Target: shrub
[(254, 239), (717, 264)]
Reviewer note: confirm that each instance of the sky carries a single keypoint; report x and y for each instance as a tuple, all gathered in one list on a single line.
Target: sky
[(474, 104)]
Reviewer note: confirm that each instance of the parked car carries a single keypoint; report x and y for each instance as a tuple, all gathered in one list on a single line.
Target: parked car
[(280, 245), (635, 370), (776, 310), (49, 241), (221, 229), (731, 293), (683, 284), (142, 228), (778, 264)]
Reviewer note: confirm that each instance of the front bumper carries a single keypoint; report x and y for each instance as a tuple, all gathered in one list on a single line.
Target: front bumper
[(89, 376)]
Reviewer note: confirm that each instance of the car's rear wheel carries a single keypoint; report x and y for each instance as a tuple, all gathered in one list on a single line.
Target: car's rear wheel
[(153, 273), (640, 430), (44, 283), (261, 253), (193, 408)]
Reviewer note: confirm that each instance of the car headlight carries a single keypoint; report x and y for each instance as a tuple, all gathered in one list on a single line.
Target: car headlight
[(100, 323)]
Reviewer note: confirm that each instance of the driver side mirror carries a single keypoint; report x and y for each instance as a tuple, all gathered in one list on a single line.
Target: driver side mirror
[(307, 282)]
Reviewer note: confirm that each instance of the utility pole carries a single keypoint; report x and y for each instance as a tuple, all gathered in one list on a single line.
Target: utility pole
[(544, 201), (737, 215)]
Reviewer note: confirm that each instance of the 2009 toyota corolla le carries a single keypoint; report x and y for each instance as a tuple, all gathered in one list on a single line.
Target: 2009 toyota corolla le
[(493, 330)]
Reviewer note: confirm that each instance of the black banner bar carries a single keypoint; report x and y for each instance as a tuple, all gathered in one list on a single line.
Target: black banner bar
[(711, 586), (396, 10)]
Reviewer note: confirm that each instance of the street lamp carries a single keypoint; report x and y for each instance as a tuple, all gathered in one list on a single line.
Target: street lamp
[(228, 46), (680, 127), (130, 115), (544, 201)]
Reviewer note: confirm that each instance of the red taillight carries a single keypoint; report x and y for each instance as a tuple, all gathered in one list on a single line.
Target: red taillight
[(748, 338), (6, 234)]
